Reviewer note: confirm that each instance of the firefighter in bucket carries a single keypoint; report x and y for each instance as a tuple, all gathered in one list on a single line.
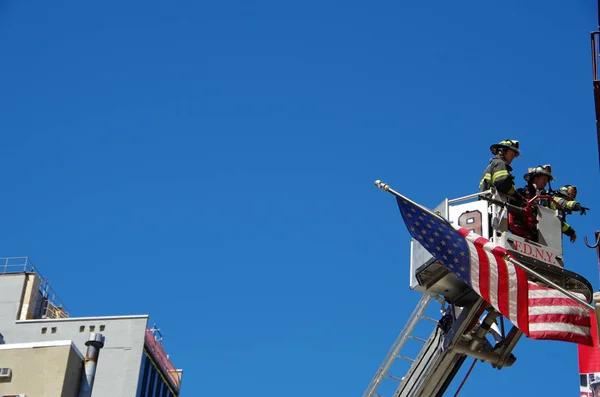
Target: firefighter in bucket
[(522, 222), (564, 201), (498, 172), (537, 178)]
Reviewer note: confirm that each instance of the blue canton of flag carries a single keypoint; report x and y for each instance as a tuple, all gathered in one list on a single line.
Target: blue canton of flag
[(442, 240)]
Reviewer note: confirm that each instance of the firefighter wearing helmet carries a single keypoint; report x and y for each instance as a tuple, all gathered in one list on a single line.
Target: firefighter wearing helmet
[(498, 172), (537, 178), (524, 224), (564, 202)]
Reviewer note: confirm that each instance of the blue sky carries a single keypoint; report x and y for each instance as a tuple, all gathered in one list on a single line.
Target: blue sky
[(212, 164)]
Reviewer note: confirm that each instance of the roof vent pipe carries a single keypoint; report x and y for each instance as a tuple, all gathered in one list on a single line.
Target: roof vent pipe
[(94, 343)]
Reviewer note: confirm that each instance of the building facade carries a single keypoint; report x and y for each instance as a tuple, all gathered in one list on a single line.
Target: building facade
[(132, 362), (60, 362)]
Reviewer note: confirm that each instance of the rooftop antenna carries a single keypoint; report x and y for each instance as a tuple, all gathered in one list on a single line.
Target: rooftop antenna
[(157, 334)]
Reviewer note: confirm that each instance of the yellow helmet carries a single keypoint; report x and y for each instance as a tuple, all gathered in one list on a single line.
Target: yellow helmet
[(511, 144)]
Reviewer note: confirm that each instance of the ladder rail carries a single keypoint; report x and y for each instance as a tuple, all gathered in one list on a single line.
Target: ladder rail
[(435, 366), (423, 365), (405, 334)]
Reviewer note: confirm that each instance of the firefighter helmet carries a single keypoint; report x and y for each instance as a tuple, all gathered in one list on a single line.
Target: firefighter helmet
[(539, 170), (511, 144), (568, 191)]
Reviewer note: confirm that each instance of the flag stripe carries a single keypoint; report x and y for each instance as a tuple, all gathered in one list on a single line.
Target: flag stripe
[(539, 310), (484, 273), (567, 336), (475, 270), (493, 279), (558, 301), (503, 282), (512, 296), (560, 318), (523, 307), (554, 327)]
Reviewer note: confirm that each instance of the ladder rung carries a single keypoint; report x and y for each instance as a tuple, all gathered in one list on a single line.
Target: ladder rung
[(416, 338), (428, 319), (394, 378), (407, 359)]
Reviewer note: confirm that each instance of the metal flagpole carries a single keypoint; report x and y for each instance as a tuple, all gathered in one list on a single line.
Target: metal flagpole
[(549, 282), (385, 187)]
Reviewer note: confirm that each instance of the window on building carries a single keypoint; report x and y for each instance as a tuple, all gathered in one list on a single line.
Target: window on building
[(151, 382), (144, 369)]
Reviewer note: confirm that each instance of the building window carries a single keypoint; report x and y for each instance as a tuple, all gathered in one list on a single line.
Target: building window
[(151, 382), (143, 376), (160, 386)]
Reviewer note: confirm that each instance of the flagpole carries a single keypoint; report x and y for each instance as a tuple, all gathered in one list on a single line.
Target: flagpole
[(549, 282), (386, 188)]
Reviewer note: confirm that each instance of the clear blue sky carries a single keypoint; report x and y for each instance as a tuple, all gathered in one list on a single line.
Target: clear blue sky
[(212, 164)]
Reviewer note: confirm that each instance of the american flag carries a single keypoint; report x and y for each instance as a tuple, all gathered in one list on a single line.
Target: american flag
[(539, 312)]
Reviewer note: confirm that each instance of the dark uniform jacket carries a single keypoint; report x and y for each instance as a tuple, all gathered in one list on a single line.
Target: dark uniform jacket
[(529, 192), (498, 174)]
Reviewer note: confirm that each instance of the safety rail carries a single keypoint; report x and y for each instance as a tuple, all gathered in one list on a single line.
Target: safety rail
[(469, 197), (162, 360), (52, 307)]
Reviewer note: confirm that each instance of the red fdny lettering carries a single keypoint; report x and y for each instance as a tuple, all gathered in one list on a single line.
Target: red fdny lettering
[(518, 245), (535, 252)]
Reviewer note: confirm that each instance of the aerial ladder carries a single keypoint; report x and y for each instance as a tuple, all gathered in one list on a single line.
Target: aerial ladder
[(461, 324)]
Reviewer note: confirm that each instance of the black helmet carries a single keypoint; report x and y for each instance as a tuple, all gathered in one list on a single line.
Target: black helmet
[(568, 191), (506, 144), (539, 170)]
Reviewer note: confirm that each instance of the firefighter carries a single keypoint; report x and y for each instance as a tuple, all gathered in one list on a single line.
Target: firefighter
[(498, 172), (524, 223), (564, 201), (537, 178)]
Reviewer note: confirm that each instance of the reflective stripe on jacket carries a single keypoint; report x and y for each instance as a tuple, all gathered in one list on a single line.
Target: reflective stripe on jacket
[(498, 174), (562, 206)]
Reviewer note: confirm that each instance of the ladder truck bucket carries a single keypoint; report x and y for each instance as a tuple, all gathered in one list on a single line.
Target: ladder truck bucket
[(474, 212)]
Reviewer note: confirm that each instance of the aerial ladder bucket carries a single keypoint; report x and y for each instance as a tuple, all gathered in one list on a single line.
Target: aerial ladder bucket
[(469, 326)]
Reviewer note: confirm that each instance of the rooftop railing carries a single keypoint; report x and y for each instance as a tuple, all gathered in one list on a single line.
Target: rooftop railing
[(157, 351), (52, 305)]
